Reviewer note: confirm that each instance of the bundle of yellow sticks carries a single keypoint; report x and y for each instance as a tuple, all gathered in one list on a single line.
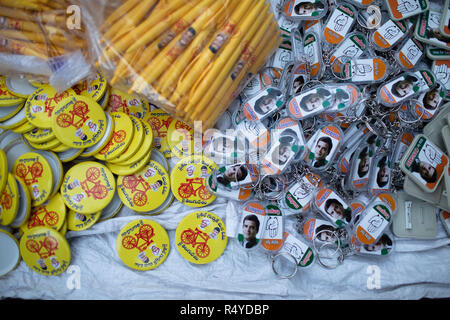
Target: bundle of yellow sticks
[(193, 54), (37, 28)]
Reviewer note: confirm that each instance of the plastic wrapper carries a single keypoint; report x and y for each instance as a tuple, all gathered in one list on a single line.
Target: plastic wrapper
[(188, 57), (43, 40)]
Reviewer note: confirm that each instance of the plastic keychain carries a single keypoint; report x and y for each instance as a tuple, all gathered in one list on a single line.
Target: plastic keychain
[(323, 146), (302, 253), (434, 53), (404, 87), (424, 163), (384, 246), (265, 78), (313, 52), (354, 45), (427, 29), (272, 236), (297, 44), (373, 222), (429, 102), (339, 23), (252, 224), (263, 104), (358, 178), (235, 176), (300, 76), (283, 54), (380, 175), (311, 102), (402, 9), (223, 148), (402, 144), (389, 34), (287, 141), (410, 53), (298, 197), (365, 70), (332, 207), (444, 26), (298, 10), (441, 68)]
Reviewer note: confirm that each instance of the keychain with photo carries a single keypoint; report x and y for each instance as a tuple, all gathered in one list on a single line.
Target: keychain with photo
[(251, 225), (263, 104), (384, 246), (223, 148), (424, 163), (404, 87), (298, 10), (323, 146), (380, 175), (361, 165), (339, 23), (428, 103), (332, 207), (402, 144)]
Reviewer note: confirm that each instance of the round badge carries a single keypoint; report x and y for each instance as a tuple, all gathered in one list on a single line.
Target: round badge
[(201, 237), (143, 244), (51, 214), (146, 190), (9, 112), (23, 128), (121, 137), (37, 174), (16, 121), (9, 253), (112, 208), (45, 251), (57, 169), (88, 187), (78, 221), (87, 152), (39, 135), (123, 102), (23, 213), (41, 103), (7, 98), (126, 170), (94, 88), (188, 181), (3, 170), (79, 122), (180, 139), (19, 86), (136, 143), (9, 201), (160, 121)]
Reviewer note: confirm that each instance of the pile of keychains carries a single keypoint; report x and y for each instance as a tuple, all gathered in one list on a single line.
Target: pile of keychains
[(346, 127)]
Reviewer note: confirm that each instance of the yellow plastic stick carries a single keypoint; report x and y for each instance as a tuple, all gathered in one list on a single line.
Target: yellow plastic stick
[(205, 106), (118, 13), (125, 62), (24, 48), (228, 56), (196, 67), (152, 28), (170, 53), (254, 61)]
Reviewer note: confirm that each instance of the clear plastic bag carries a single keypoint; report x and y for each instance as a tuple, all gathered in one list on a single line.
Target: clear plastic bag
[(188, 57)]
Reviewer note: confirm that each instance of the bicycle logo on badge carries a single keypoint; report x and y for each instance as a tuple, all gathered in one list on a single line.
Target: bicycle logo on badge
[(5, 201), (118, 137), (133, 183), (80, 110), (35, 172), (144, 236), (190, 236), (186, 190), (160, 126), (49, 218), (50, 103), (45, 248)]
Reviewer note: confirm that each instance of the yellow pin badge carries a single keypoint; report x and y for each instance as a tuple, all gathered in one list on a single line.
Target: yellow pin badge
[(78, 221), (180, 139), (38, 135), (160, 121), (95, 88), (120, 101), (36, 172), (88, 187), (121, 137), (3, 170), (45, 251), (9, 201), (201, 237), (188, 180), (7, 98), (143, 244), (145, 190), (41, 103), (50, 214), (79, 122)]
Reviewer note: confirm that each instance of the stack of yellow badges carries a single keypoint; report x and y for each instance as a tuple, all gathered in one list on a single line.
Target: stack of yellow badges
[(146, 190), (137, 154), (96, 88), (160, 121), (78, 221), (79, 122), (24, 210), (123, 102), (37, 174), (10, 106), (50, 214), (201, 237), (9, 201), (180, 139), (45, 251), (88, 187), (143, 244), (188, 181)]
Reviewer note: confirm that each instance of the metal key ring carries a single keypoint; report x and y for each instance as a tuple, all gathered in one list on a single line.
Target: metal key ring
[(290, 258), (338, 249)]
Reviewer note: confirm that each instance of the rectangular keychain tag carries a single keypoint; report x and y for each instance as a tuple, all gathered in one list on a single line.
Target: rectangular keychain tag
[(380, 176), (305, 10), (251, 225), (410, 53), (427, 29), (272, 237), (424, 163), (319, 230), (354, 45), (389, 34), (369, 70), (303, 254), (263, 104), (401, 9), (323, 146), (298, 197), (373, 222), (332, 207), (441, 68), (429, 102), (339, 23), (360, 169), (313, 52)]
